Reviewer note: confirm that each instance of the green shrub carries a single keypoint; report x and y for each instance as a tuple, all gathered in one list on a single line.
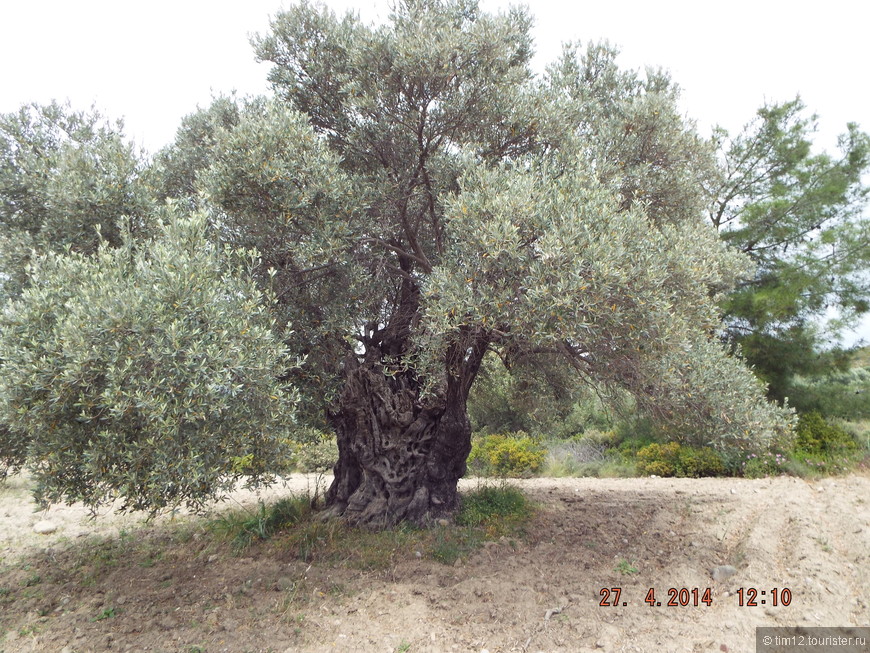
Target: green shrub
[(819, 449), (658, 459), (768, 463), (514, 454), (696, 462), (315, 451), (805, 464), (630, 436), (860, 431), (147, 372), (306, 450), (627, 449), (674, 459), (598, 438), (817, 437), (657, 468)]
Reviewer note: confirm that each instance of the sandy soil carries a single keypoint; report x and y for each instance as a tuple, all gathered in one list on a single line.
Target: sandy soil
[(539, 594)]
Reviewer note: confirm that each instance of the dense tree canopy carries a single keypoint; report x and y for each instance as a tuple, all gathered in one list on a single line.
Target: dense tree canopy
[(423, 198), (146, 372), (418, 198), (63, 174), (799, 216)]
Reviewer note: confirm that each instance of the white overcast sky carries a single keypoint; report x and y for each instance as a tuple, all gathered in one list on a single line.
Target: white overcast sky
[(151, 63)]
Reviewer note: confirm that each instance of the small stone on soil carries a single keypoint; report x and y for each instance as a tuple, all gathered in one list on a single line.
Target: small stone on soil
[(44, 527), (723, 571)]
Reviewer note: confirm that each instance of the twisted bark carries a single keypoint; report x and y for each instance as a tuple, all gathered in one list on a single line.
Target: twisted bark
[(401, 455)]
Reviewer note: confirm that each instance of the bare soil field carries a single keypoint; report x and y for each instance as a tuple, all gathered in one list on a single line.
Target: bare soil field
[(119, 584)]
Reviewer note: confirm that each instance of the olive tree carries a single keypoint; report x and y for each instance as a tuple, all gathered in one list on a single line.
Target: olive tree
[(148, 372), (63, 173), (421, 198)]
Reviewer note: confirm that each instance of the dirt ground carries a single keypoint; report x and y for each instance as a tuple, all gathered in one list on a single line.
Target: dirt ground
[(542, 593)]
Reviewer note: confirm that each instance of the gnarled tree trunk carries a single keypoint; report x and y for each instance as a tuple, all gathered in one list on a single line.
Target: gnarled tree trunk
[(401, 454)]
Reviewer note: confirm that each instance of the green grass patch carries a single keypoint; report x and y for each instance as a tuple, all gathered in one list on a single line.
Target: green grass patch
[(108, 613), (335, 543), (499, 510), (487, 513), (245, 527), (293, 525), (30, 581), (450, 544), (626, 568)]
